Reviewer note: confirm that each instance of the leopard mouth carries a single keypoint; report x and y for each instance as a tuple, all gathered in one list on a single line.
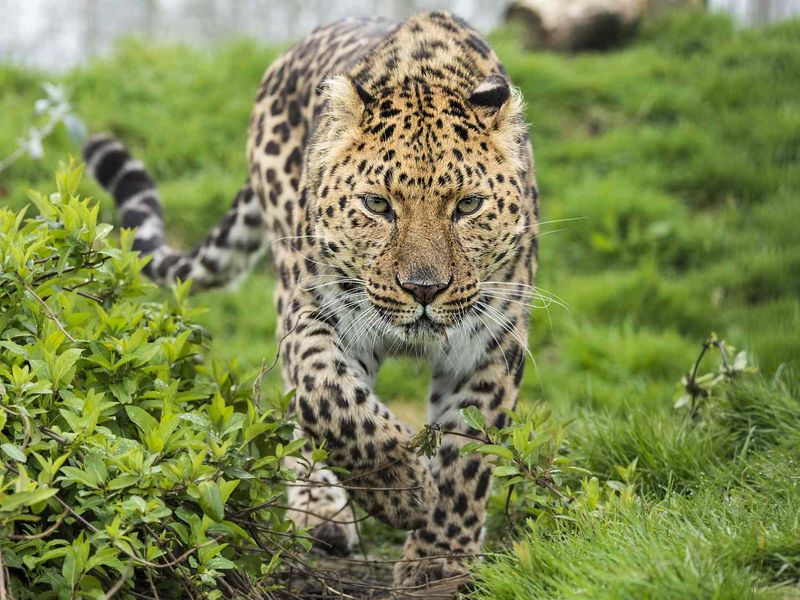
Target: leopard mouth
[(425, 325)]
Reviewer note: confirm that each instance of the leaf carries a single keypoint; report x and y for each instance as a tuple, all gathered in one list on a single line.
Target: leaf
[(77, 475), (505, 471), (470, 447), (683, 400), (144, 420), (14, 452), (473, 417), (122, 482), (15, 501), (211, 501), (495, 450)]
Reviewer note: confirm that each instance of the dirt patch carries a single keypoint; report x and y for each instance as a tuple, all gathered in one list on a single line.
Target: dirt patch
[(355, 577)]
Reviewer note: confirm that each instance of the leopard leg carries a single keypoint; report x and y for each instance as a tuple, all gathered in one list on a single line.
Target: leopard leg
[(334, 403), (453, 533)]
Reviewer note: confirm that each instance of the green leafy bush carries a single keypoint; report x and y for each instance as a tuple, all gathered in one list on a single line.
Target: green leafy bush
[(126, 462)]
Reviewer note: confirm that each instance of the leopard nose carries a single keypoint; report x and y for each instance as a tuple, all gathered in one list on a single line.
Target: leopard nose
[(424, 290)]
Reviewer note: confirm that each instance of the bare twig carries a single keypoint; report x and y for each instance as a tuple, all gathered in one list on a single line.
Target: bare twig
[(118, 585), (43, 534), (53, 435), (3, 593), (328, 519), (152, 584), (49, 313), (307, 483)]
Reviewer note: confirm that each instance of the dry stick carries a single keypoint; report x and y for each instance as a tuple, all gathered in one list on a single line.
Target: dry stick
[(171, 556), (393, 561), (83, 294), (48, 312), (136, 594), (377, 469), (152, 584), (243, 583), (254, 533), (43, 534), (259, 506), (3, 595), (315, 484), (358, 529), (228, 587), (53, 435), (51, 274), (293, 536), (118, 585), (328, 519), (264, 371)]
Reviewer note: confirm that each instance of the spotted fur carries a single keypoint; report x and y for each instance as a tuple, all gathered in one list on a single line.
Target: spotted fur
[(417, 117)]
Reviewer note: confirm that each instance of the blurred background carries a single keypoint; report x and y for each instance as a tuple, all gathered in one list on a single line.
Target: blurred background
[(57, 35), (667, 146)]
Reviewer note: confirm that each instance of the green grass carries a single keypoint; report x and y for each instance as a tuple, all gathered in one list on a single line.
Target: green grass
[(670, 176)]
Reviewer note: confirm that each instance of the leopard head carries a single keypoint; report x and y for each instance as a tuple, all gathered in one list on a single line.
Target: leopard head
[(419, 192)]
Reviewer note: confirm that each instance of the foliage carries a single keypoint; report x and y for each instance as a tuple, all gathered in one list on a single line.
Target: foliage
[(540, 478), (694, 386), (126, 458)]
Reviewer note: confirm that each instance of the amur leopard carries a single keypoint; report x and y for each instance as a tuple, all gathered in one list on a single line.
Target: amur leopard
[(391, 178)]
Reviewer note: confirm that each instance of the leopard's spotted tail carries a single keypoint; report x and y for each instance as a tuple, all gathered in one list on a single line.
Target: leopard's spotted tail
[(227, 252)]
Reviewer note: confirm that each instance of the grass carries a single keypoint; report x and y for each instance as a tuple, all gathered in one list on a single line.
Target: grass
[(670, 175)]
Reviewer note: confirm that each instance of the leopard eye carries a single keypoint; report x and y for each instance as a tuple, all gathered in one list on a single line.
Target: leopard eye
[(377, 205), (468, 205)]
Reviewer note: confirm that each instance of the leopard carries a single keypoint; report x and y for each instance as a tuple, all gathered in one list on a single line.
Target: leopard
[(392, 184)]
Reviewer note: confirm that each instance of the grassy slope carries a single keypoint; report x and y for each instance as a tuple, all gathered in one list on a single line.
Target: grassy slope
[(669, 172)]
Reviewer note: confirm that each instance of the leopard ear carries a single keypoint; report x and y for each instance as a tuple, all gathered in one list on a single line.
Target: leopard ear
[(491, 94), (502, 105), (346, 99)]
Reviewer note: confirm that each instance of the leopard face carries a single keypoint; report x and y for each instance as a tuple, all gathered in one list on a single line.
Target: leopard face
[(418, 195)]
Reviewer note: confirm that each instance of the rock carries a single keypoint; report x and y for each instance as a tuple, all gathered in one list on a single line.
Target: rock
[(570, 25)]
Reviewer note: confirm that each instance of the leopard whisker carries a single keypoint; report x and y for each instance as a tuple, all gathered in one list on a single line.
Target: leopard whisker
[(335, 282), (506, 325), (551, 221), (499, 345)]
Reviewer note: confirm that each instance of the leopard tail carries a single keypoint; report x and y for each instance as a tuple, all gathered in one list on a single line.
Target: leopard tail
[(227, 253)]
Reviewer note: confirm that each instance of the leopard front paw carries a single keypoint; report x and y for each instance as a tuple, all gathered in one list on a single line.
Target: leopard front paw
[(331, 525), (434, 577)]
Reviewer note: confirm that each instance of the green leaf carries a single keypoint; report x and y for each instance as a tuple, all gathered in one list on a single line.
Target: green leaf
[(14, 452), (145, 421), (122, 482), (495, 450), (505, 471), (211, 500), (473, 417), (77, 475), (15, 501)]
